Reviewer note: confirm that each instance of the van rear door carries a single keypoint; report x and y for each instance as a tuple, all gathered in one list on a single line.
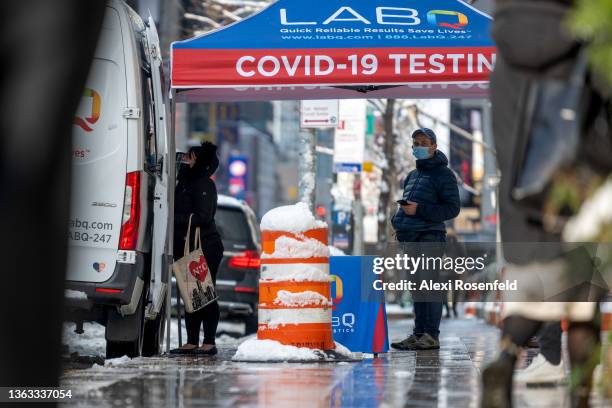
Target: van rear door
[(99, 159), (164, 184)]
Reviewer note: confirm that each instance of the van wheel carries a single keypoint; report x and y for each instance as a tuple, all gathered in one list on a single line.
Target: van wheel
[(153, 334), (125, 334), (250, 325)]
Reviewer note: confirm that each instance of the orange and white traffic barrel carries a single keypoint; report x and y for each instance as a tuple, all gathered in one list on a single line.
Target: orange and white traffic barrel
[(469, 310), (294, 288), (492, 313)]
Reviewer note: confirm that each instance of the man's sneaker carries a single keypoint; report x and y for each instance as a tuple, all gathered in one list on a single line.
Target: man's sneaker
[(406, 344), (426, 342), (540, 371)]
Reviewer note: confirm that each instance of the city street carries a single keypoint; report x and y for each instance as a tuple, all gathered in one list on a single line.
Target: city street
[(445, 378), (270, 203)]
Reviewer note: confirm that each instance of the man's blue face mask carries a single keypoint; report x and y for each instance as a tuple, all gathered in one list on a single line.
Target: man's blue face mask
[(420, 152)]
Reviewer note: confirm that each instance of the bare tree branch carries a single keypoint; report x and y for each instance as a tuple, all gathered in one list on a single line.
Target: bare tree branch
[(203, 19)]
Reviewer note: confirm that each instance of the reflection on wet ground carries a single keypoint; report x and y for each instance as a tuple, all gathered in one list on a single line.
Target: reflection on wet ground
[(445, 378)]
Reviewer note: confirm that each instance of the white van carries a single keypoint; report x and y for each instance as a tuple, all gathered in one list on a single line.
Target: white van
[(121, 197)]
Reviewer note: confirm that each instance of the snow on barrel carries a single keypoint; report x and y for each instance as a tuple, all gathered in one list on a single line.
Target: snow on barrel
[(294, 288)]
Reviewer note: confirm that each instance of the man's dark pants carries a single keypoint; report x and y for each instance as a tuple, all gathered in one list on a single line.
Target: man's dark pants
[(427, 304)]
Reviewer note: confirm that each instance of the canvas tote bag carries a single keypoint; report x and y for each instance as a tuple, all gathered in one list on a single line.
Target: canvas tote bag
[(193, 275)]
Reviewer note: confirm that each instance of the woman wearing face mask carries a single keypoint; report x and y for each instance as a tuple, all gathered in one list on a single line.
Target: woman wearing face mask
[(196, 196)]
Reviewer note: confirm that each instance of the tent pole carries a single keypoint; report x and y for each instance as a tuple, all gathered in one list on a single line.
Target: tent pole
[(307, 167), (171, 182)]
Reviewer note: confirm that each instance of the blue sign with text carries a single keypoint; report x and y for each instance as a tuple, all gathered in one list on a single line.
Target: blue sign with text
[(359, 318)]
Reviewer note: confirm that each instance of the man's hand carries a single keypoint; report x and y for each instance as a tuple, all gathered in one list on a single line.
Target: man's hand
[(410, 208)]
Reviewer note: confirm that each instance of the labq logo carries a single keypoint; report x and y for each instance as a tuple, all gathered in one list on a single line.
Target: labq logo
[(96, 103), (337, 284), (344, 323), (441, 18)]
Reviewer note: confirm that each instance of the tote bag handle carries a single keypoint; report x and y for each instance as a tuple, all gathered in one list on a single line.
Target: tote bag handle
[(186, 248), (197, 243)]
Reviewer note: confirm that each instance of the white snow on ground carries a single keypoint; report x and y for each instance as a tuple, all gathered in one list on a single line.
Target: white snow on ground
[(75, 294), (264, 350), (594, 214), (291, 218), (333, 251), (287, 247), (306, 298), (114, 362), (90, 343), (270, 350), (297, 273), (340, 349), (93, 343)]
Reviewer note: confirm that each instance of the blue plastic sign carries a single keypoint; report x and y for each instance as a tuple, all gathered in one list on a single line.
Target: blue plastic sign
[(359, 319)]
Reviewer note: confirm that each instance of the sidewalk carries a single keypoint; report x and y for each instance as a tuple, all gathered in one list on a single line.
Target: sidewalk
[(449, 377)]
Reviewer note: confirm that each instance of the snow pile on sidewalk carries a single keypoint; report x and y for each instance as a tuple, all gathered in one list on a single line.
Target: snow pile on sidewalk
[(306, 298), (291, 218), (287, 247), (115, 362), (270, 350), (297, 273), (90, 343)]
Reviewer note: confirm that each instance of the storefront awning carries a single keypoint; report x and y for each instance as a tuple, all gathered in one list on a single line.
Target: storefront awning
[(317, 49)]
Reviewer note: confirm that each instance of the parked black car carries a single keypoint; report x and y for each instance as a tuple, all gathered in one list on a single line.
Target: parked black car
[(238, 276)]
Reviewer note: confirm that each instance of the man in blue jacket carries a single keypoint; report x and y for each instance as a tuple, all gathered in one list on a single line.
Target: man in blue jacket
[(431, 197)]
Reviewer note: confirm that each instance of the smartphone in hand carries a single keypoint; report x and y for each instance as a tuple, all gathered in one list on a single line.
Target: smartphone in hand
[(402, 202)]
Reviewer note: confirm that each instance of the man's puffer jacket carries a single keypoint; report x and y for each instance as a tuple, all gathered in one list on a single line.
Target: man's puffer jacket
[(434, 187)]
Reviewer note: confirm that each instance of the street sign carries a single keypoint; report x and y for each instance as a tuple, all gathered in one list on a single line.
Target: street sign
[(238, 176), (349, 140), (347, 168), (341, 217), (341, 240), (319, 114)]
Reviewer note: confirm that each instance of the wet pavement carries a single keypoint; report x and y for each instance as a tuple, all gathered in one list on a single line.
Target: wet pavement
[(449, 377)]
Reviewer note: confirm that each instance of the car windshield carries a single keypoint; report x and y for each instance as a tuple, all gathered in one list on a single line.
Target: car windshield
[(232, 225)]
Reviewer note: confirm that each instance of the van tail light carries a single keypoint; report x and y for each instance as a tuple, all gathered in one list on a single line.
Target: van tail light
[(245, 260), (108, 290), (244, 289), (131, 212)]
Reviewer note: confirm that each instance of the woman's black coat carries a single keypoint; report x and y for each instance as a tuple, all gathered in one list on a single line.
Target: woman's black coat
[(196, 194)]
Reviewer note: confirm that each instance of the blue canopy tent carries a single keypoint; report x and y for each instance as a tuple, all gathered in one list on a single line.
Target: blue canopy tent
[(317, 49), (338, 49)]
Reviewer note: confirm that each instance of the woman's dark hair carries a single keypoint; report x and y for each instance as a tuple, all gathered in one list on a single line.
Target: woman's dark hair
[(208, 152), (206, 158)]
